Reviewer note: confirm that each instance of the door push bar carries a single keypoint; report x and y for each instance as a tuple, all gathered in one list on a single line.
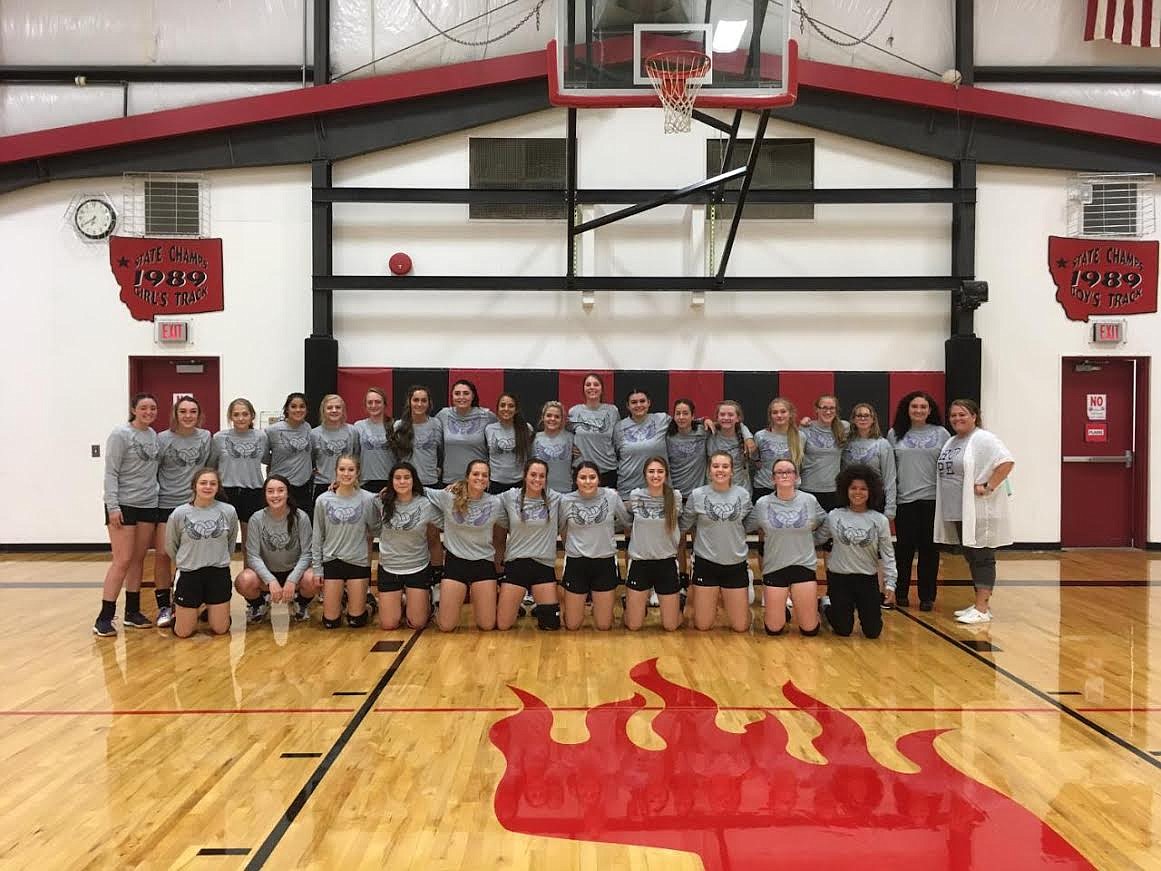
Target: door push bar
[(1126, 459)]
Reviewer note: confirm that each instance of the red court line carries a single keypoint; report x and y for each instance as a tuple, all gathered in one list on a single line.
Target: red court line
[(152, 712), (864, 708)]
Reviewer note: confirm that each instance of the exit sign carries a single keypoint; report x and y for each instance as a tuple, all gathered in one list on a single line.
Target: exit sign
[(1108, 332), (172, 332)]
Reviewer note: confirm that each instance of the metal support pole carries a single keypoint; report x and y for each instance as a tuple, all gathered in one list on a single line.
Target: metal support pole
[(751, 165)]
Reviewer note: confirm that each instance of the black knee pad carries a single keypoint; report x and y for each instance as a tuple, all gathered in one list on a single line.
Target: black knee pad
[(357, 621), (547, 617), (810, 633), (770, 631), (328, 623)]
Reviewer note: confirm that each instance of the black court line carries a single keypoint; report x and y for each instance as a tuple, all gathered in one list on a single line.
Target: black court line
[(300, 755), (386, 646), (1064, 692), (224, 851), (1040, 694), (258, 860), (349, 693)]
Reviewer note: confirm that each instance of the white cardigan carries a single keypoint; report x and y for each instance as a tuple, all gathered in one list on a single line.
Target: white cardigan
[(986, 522)]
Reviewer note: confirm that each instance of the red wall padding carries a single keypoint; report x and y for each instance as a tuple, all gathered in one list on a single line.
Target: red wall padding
[(802, 388), (353, 384), (489, 384), (903, 383), (572, 386)]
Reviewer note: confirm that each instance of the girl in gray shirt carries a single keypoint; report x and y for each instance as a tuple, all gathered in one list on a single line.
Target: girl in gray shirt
[(509, 442), (463, 430), (824, 439), (592, 423), (238, 453), (589, 517), (554, 445), (419, 438), (862, 546), (331, 439), (290, 453), (653, 544), (376, 435), (732, 437), (529, 549), (717, 513), (638, 437), (685, 448), (199, 539), (343, 519), (866, 446), (780, 440), (405, 518)]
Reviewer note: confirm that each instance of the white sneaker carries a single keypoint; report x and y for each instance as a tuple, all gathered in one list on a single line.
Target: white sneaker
[(974, 616), (654, 602), (966, 610)]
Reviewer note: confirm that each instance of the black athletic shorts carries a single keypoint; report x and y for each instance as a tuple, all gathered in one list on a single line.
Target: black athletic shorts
[(390, 582), (131, 516), (608, 479), (788, 575), (528, 573), (656, 574), (375, 485), (281, 576), (206, 586), (246, 501), (339, 570), (759, 492), (163, 514), (584, 575), (828, 501), (711, 574), (468, 571), (498, 487)]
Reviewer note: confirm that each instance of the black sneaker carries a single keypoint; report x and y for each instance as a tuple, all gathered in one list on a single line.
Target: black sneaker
[(926, 606), (300, 610), (104, 628), (902, 602), (136, 620)]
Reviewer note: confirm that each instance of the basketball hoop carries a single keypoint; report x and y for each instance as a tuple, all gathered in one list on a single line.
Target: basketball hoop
[(677, 77)]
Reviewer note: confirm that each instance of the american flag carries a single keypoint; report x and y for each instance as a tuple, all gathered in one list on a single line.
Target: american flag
[(1129, 22)]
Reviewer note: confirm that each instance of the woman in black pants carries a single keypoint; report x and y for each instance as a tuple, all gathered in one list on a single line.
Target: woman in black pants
[(917, 438)]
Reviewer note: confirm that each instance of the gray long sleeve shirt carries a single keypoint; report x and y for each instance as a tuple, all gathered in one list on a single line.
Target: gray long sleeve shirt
[(341, 527), (327, 445), (862, 542), (505, 467), (178, 457), (196, 538), (239, 456), (822, 457), (289, 452), (375, 454), (635, 444), (718, 520), (463, 439), (403, 546), (468, 535), (880, 456), (272, 547), (651, 537), (687, 459), (916, 455), (588, 525), (772, 447), (736, 448), (531, 531), (556, 451), (593, 429), (426, 449), (788, 528), (131, 456)]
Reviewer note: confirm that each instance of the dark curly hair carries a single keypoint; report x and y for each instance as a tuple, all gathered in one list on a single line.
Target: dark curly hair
[(864, 473), (902, 421)]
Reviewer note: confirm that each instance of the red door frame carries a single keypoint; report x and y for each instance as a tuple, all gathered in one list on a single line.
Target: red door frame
[(212, 363), (1140, 476)]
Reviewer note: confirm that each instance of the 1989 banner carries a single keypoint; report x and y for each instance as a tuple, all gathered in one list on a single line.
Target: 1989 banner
[(1103, 276), (168, 276)]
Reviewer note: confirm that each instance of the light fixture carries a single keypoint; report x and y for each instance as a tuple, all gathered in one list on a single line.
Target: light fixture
[(728, 35)]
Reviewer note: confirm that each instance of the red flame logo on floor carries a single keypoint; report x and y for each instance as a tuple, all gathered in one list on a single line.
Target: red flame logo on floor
[(741, 801)]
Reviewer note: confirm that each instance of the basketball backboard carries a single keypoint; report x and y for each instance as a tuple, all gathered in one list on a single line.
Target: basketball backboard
[(599, 55)]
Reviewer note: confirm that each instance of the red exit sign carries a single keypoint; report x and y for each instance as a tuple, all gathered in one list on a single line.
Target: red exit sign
[(1108, 332), (172, 332)]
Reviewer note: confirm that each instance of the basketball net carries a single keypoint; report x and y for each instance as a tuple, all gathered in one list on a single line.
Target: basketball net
[(677, 79)]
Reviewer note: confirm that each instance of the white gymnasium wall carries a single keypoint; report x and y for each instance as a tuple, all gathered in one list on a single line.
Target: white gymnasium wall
[(1025, 335), (68, 337)]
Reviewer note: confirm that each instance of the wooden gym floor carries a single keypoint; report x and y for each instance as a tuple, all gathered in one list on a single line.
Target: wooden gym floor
[(1033, 742)]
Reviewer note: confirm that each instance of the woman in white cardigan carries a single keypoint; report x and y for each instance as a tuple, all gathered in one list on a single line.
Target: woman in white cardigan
[(971, 506)]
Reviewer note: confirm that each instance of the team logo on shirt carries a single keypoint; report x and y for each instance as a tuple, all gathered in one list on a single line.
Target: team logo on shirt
[(819, 437), (462, 426), (477, 515), (588, 515), (640, 432), (535, 510), (685, 447), (200, 530), (771, 450), (723, 511), (333, 447), (927, 440), (145, 450), (183, 456), (242, 450), (294, 441), (504, 445), (860, 453), (401, 521), (589, 422), (343, 514), (648, 509), (779, 517), (426, 441), (552, 450), (275, 539), (373, 442), (855, 535)]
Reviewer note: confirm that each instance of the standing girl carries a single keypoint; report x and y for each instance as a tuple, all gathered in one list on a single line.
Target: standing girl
[(717, 513), (780, 440), (641, 435), (825, 437), (917, 437), (469, 513), (343, 518), (181, 449), (200, 539), (554, 445), (529, 549), (509, 442), (866, 446), (331, 439), (419, 438), (593, 422), (653, 545), (278, 553), (376, 435), (685, 446), (290, 452), (238, 454), (131, 492), (463, 430), (589, 517), (733, 438), (787, 520), (404, 518)]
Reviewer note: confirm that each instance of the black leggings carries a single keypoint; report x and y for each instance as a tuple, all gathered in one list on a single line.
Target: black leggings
[(851, 593), (981, 563), (915, 531)]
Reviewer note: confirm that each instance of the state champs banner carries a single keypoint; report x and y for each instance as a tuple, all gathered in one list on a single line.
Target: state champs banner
[(168, 276)]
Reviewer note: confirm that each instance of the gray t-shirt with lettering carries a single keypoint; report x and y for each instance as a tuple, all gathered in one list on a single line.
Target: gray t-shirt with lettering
[(951, 482), (718, 520)]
